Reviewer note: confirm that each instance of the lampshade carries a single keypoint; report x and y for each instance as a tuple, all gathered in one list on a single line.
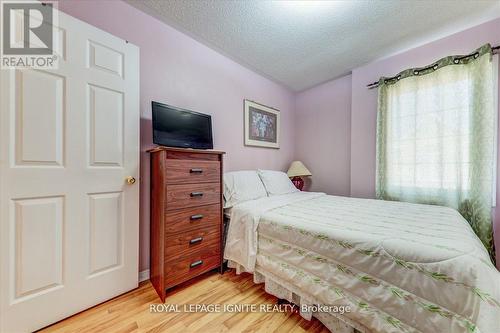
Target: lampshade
[(297, 168)]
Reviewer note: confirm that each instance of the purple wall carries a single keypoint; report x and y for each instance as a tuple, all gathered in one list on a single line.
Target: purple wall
[(331, 126), (177, 70), (323, 131)]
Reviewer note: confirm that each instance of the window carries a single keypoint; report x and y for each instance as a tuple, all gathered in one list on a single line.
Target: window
[(430, 135), (437, 137)]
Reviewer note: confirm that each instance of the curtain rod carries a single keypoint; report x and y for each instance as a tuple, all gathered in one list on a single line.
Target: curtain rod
[(495, 49)]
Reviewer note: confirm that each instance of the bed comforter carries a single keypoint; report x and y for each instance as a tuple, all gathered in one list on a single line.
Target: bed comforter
[(400, 267)]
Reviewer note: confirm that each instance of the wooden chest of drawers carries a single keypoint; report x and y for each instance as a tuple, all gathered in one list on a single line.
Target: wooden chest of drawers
[(186, 215)]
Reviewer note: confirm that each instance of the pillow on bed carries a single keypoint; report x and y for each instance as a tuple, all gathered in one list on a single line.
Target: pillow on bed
[(276, 182), (241, 186)]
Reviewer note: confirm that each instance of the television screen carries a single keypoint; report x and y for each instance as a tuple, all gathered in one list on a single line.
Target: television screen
[(176, 127)]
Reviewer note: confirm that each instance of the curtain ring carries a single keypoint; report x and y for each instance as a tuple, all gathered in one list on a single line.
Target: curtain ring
[(456, 61), (435, 67), (415, 72), (476, 55), (399, 77)]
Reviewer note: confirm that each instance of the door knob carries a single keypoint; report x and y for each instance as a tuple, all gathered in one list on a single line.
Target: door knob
[(130, 180)]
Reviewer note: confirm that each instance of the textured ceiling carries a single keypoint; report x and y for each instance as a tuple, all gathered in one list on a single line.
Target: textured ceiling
[(303, 43)]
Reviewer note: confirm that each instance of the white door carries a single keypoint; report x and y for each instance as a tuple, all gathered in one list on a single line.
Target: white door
[(68, 140)]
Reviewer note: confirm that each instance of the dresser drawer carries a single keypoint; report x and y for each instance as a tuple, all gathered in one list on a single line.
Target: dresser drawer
[(190, 242), (179, 221), (186, 215), (192, 171), (185, 268), (192, 195)]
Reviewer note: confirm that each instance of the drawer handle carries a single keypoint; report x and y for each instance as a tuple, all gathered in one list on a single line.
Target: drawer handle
[(196, 194), (196, 217), (195, 240), (196, 170), (196, 263)]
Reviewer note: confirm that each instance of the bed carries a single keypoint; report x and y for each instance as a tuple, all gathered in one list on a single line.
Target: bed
[(397, 267)]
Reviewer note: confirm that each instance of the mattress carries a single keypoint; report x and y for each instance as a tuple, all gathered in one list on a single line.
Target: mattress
[(400, 267)]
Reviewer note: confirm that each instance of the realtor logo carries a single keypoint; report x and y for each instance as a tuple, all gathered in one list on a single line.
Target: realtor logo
[(28, 34)]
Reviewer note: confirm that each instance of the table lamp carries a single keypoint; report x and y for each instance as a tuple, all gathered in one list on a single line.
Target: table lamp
[(296, 171)]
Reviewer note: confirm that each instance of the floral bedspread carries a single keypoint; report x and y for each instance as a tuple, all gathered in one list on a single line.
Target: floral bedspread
[(400, 267)]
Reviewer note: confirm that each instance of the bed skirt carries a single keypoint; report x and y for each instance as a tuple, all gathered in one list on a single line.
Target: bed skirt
[(275, 286)]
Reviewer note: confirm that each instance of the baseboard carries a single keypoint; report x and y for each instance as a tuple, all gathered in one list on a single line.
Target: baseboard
[(144, 275)]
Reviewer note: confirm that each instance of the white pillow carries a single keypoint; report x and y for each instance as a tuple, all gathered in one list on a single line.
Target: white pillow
[(276, 182), (241, 186)]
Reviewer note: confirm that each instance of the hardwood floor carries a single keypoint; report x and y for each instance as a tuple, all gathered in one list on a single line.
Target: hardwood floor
[(131, 312)]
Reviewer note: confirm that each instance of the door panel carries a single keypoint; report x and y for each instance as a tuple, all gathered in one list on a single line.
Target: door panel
[(39, 104), (38, 243), (66, 212), (106, 126), (104, 58), (106, 227)]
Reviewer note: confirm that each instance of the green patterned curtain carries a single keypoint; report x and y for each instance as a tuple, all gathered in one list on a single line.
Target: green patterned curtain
[(436, 137)]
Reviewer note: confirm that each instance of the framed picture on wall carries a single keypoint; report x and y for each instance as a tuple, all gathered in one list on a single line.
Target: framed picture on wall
[(262, 125)]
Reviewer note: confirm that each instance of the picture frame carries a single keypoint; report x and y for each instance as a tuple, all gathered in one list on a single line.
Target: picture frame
[(262, 125)]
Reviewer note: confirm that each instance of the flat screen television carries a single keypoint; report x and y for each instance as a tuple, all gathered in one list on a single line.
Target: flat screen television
[(176, 127)]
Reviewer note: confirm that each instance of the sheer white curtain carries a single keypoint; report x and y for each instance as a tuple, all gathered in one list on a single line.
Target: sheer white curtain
[(436, 139)]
